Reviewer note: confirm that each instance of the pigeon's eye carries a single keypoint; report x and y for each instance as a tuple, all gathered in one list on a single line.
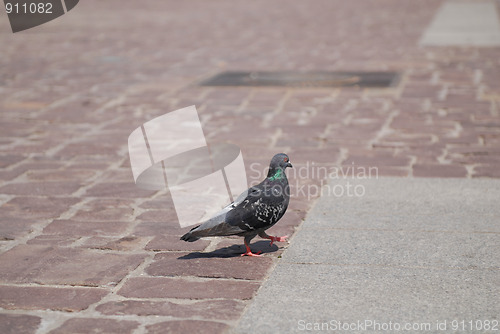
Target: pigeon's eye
[(285, 159)]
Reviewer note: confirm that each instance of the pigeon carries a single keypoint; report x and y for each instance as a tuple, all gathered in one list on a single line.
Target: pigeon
[(254, 211)]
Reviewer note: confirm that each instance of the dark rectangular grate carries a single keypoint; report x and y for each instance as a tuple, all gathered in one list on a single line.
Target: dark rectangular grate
[(304, 79)]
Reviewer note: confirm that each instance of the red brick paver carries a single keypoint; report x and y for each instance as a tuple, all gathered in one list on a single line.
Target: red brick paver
[(90, 325), (18, 323), (52, 298), (83, 249), (183, 326)]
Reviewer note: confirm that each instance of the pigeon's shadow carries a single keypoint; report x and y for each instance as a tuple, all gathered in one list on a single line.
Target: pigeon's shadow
[(233, 251)]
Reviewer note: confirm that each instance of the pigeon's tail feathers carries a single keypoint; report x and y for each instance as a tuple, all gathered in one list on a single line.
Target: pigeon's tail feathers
[(189, 236), (216, 226)]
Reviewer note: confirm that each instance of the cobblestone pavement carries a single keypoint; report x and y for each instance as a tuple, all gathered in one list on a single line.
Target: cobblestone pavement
[(83, 249)]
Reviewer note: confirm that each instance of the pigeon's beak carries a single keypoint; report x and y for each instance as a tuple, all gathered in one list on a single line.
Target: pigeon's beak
[(289, 165)]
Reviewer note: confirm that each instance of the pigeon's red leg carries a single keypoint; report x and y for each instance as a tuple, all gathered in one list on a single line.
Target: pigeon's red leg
[(273, 239), (249, 252)]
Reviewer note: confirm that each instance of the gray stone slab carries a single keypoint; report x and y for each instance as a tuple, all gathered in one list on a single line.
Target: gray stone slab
[(422, 205), (464, 23), (452, 222), (409, 251), (396, 248), (297, 295)]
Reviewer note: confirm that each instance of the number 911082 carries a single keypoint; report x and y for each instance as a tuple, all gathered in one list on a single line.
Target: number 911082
[(28, 8)]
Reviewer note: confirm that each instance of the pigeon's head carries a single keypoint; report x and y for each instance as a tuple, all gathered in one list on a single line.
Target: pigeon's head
[(280, 160)]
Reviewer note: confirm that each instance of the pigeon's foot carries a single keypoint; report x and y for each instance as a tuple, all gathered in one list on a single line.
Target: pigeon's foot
[(278, 239), (249, 253), (264, 235)]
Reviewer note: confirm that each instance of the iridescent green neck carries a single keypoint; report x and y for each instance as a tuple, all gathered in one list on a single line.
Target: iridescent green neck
[(278, 174)]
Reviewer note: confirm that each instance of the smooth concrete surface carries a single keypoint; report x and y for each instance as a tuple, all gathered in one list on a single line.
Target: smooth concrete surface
[(464, 23), (408, 252)]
